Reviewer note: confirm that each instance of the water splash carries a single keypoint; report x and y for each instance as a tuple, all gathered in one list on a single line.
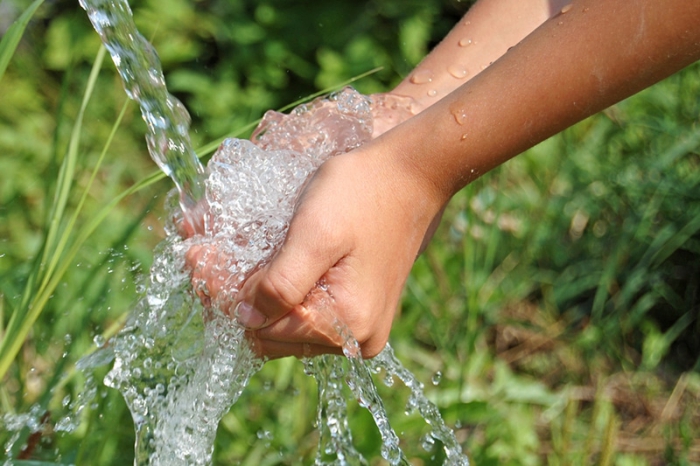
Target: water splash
[(180, 366), (387, 361), (166, 118)]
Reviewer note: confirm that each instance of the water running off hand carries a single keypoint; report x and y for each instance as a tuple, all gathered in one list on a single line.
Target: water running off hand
[(180, 366)]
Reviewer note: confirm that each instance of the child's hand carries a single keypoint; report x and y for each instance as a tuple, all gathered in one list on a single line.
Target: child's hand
[(358, 227)]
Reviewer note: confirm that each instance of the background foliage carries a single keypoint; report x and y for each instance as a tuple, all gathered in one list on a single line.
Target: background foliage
[(556, 310)]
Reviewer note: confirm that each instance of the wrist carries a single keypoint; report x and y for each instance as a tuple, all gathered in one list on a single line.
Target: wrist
[(402, 164)]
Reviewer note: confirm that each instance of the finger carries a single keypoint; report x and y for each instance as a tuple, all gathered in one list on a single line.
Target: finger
[(306, 324), (275, 349), (272, 292), (316, 322)]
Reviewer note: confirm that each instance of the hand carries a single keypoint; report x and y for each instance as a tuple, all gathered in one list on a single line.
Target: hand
[(358, 227)]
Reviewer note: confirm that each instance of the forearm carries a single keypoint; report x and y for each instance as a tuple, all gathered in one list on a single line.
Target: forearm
[(485, 33), (575, 64)]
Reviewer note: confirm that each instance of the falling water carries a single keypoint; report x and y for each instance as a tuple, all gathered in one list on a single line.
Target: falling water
[(166, 118), (181, 366)]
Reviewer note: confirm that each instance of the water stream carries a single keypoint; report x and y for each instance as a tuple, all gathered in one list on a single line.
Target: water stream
[(180, 366), (166, 118)]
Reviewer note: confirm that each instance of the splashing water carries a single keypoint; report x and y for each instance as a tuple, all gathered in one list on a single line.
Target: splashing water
[(181, 366), (166, 118)]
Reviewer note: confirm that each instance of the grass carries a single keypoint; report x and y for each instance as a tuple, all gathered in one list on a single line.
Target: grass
[(558, 301)]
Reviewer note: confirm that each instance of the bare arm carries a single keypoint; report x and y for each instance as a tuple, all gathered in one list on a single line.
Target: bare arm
[(483, 35), (577, 63), (361, 220)]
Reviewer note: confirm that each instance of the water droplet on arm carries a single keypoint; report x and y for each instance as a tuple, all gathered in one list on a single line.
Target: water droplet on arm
[(465, 42), (457, 71), (460, 115), (421, 77)]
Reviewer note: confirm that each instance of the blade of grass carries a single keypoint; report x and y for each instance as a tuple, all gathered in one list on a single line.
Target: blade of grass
[(65, 177), (609, 441), (14, 33), (494, 235), (25, 314), (676, 241)]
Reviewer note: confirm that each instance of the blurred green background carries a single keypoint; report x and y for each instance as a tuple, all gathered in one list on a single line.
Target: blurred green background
[(554, 318)]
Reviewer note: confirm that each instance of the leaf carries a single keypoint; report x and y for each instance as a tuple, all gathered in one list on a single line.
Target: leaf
[(43, 278), (11, 39)]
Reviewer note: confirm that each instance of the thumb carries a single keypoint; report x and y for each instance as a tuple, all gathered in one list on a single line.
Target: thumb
[(284, 283)]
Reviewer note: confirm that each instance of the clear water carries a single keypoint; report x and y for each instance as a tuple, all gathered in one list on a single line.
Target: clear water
[(166, 118), (180, 366)]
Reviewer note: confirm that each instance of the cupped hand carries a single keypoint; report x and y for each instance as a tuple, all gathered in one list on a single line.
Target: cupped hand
[(357, 228)]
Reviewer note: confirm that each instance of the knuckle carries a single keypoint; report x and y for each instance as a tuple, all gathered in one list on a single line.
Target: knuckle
[(370, 350), (277, 285)]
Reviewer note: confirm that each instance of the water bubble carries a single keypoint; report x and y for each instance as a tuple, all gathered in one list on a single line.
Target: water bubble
[(457, 71), (388, 380), (460, 115), (465, 42), (98, 340), (437, 377), (427, 442), (432, 93), (197, 361), (566, 8), (421, 77)]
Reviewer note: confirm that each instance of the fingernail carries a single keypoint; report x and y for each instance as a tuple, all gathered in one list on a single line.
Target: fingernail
[(248, 316)]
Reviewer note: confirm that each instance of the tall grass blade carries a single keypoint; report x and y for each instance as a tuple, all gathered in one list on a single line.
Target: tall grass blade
[(33, 300), (609, 441), (66, 174), (676, 241), (14, 33)]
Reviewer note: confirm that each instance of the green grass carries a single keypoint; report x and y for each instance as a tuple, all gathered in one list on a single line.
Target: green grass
[(558, 301)]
